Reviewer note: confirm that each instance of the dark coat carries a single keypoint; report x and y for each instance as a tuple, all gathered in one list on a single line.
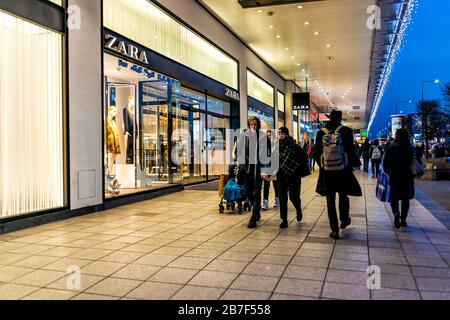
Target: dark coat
[(343, 181), (397, 164)]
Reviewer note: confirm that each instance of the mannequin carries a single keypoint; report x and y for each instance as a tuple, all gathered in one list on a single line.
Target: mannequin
[(129, 131), (112, 138)]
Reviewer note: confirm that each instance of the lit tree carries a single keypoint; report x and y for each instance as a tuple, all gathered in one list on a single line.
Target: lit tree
[(432, 120)]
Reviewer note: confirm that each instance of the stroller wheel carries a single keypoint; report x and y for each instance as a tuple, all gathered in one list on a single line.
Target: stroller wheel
[(221, 208), (233, 206)]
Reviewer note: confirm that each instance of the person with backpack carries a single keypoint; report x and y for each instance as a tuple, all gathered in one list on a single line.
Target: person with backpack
[(376, 154), (293, 165), (336, 156), (397, 164)]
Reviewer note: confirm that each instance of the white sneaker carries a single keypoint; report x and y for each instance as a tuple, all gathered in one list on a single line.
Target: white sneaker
[(277, 203), (265, 205)]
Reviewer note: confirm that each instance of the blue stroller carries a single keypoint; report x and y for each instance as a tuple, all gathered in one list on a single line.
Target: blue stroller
[(234, 192)]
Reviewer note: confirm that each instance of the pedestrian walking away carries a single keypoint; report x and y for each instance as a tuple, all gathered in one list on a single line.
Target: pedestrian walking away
[(376, 154), (397, 164), (336, 156), (365, 153)]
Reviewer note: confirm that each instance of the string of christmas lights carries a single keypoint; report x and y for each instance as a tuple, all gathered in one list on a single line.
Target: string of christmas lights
[(387, 71)]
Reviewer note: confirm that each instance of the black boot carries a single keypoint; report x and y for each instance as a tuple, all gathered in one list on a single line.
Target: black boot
[(397, 222), (284, 224), (335, 235)]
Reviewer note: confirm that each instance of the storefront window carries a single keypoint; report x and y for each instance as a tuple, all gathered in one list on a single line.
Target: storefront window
[(259, 89), (141, 110), (216, 135), (281, 102), (32, 171), (145, 23), (266, 119)]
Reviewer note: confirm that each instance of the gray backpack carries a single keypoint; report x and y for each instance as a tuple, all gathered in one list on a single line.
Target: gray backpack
[(334, 157)]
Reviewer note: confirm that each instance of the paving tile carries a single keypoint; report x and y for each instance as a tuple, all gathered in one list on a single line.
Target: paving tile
[(299, 287), (255, 283), (155, 260), (440, 273), (198, 293), (190, 262), (273, 259), (36, 262), (395, 294), (102, 268), (39, 278), (114, 287), (398, 281), (346, 276), (213, 279), (311, 262), (60, 252), (430, 284), (11, 291), (94, 297), (9, 273), (50, 294), (307, 273), (154, 291), (341, 291), (203, 253), (91, 254), (174, 275), (63, 264), (226, 266), (123, 256), (435, 295), (349, 265), (136, 272), (10, 258), (68, 283), (264, 269), (242, 295), (139, 247), (278, 296)]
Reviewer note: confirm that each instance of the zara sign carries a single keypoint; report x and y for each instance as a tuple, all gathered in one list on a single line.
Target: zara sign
[(127, 50)]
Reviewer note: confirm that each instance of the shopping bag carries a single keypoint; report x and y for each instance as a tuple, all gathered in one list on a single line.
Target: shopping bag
[(383, 190), (417, 168)]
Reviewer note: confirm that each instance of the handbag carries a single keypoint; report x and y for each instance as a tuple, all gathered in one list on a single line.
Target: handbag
[(417, 168), (383, 190)]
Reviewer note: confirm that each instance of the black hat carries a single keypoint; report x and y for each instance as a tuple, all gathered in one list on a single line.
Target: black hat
[(335, 115)]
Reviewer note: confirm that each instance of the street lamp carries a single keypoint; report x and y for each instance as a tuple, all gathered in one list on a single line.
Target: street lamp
[(398, 102), (436, 81)]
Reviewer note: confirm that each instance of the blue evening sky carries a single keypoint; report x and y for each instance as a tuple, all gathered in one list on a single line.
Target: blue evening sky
[(425, 56)]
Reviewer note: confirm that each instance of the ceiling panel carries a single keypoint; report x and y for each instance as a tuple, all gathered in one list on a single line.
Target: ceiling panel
[(338, 74)]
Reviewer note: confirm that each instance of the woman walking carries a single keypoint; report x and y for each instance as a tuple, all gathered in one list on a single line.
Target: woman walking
[(397, 164)]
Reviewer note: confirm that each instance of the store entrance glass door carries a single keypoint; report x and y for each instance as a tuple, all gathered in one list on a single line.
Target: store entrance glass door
[(159, 114)]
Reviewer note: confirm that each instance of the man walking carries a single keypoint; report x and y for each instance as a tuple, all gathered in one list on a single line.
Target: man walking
[(336, 156)]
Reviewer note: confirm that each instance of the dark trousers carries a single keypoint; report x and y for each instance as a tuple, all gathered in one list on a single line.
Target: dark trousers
[(344, 209), (289, 186), (267, 189), (253, 185), (376, 167), (312, 163), (366, 164), (396, 209)]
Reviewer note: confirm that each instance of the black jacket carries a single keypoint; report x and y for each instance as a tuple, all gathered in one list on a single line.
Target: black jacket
[(397, 164), (342, 181)]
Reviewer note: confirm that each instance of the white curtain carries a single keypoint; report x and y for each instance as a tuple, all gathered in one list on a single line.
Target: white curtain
[(31, 118)]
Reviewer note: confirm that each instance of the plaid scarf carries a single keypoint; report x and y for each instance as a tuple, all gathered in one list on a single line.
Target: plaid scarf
[(289, 162)]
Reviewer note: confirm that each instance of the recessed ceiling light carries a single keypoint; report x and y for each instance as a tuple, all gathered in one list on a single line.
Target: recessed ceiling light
[(278, 36), (298, 64), (260, 10), (271, 27), (287, 49), (316, 33), (303, 70), (306, 23), (328, 45), (299, 7)]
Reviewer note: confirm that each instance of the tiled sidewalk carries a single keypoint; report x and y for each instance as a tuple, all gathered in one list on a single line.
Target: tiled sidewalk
[(180, 247)]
